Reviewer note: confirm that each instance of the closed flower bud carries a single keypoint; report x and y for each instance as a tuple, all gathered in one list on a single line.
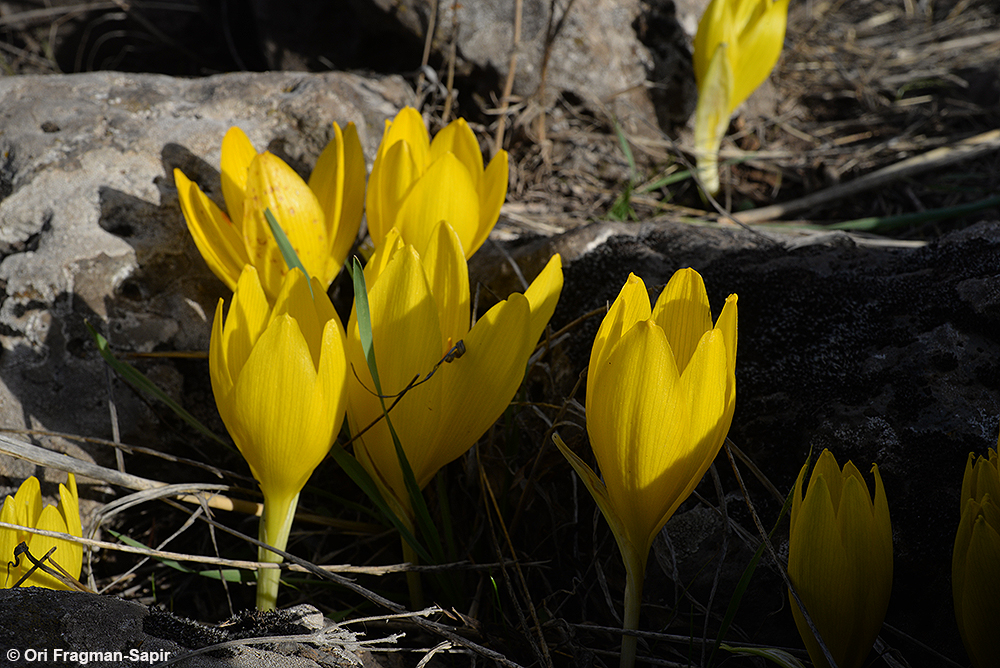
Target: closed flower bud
[(840, 560)]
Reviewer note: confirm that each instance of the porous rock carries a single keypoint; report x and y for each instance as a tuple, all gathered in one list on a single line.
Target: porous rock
[(45, 627)]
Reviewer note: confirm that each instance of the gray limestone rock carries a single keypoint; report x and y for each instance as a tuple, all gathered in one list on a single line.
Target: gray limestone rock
[(91, 230)]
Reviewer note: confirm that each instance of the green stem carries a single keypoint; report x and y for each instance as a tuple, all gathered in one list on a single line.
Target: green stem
[(274, 529), (635, 572), (413, 581)]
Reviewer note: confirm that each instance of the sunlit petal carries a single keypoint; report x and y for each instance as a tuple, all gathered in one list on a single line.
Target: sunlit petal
[(237, 154)]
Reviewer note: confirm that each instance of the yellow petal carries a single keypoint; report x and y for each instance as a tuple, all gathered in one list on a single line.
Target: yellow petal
[(630, 307), (703, 385), (760, 45), (458, 139), (296, 299), (407, 343), (339, 183), (492, 193), (237, 154), (408, 127), (543, 295), (28, 502), (9, 540), (711, 33), (639, 420), (478, 387), (385, 249), (393, 175), (272, 184), (217, 239), (682, 311), (66, 554), (281, 452), (448, 277), (231, 344), (447, 192)]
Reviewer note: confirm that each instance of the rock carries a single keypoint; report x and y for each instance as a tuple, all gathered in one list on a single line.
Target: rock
[(609, 53), (45, 627), (91, 230)]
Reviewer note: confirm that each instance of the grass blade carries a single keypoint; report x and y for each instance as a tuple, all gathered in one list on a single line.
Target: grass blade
[(285, 246), (136, 379)]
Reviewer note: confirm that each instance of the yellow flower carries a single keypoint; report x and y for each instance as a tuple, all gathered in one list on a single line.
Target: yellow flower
[(417, 183), (419, 306), (736, 46), (279, 375), (661, 390), (25, 509), (975, 566), (320, 219), (840, 560)]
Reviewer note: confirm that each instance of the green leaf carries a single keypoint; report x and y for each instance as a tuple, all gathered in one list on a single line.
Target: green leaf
[(778, 656), (422, 515), (136, 379), (361, 478), (285, 246), (227, 574)]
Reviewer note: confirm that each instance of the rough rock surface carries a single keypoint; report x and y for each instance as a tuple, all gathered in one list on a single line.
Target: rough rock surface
[(613, 54), (74, 624), (91, 229)]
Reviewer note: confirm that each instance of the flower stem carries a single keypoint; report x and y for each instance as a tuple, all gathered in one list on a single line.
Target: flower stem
[(635, 572), (413, 581), (274, 529)]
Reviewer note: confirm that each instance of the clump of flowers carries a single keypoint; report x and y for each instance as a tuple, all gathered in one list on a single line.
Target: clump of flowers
[(840, 560), (25, 509), (320, 219), (661, 391)]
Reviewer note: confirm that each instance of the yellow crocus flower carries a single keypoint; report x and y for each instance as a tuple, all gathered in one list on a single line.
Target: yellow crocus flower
[(25, 509), (840, 560), (419, 305), (320, 219), (416, 183), (975, 566), (737, 45), (279, 374), (661, 390)]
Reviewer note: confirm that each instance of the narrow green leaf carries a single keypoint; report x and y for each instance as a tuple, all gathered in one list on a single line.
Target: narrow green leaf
[(227, 574), (417, 503), (136, 379), (884, 224), (778, 656), (741, 586), (285, 246), (361, 478)]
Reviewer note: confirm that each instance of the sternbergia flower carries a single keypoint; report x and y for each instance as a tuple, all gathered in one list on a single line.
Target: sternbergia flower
[(279, 374), (975, 566), (736, 46), (320, 219), (419, 306), (840, 560), (661, 390), (416, 183), (25, 509)]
